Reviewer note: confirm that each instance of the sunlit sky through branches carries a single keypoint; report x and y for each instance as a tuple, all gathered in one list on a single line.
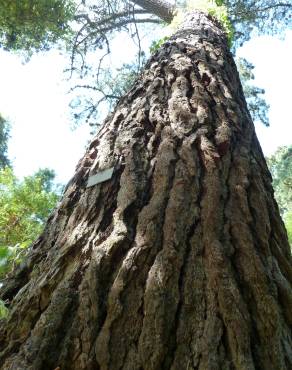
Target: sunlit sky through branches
[(34, 98)]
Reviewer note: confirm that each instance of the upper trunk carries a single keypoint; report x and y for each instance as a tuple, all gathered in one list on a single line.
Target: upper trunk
[(180, 260)]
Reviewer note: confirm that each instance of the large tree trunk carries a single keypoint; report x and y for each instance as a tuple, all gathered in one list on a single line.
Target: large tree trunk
[(180, 261)]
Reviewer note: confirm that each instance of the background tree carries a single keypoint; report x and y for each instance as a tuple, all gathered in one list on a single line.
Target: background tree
[(4, 137), (24, 208), (257, 106), (280, 165), (180, 260), (288, 224), (258, 17), (34, 25)]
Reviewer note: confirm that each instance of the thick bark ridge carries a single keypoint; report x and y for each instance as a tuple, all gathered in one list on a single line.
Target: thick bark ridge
[(181, 260)]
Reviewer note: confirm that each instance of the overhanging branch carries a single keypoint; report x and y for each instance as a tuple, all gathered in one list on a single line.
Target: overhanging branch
[(160, 8)]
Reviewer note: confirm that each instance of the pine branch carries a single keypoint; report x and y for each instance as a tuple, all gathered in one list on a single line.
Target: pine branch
[(160, 8)]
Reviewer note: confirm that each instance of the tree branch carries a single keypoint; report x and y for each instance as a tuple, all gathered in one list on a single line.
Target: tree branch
[(160, 8), (119, 25), (108, 19), (253, 9)]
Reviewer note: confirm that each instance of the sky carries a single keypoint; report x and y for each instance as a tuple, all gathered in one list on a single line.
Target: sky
[(34, 97), (272, 59)]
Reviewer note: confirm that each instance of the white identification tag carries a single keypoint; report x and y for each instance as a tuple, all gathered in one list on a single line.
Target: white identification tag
[(101, 176)]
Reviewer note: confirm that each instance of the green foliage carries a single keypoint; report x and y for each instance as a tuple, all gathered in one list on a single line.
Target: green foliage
[(219, 11), (156, 44), (216, 9), (34, 25), (24, 207), (4, 136), (119, 82), (288, 224), (3, 310), (280, 165), (98, 21), (257, 106), (258, 17)]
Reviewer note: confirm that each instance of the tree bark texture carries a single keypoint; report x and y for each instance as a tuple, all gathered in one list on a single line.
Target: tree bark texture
[(180, 261)]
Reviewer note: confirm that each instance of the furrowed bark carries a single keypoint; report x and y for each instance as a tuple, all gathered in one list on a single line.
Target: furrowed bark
[(181, 259)]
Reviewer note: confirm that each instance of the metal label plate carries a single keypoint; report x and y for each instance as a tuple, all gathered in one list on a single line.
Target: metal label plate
[(101, 176)]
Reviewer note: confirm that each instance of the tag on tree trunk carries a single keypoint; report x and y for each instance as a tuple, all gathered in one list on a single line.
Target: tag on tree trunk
[(101, 176)]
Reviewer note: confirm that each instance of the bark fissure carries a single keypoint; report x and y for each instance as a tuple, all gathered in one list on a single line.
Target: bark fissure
[(149, 254)]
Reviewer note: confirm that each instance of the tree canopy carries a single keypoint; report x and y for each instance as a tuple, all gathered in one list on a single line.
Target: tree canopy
[(37, 25), (258, 17), (90, 26), (34, 25), (98, 22)]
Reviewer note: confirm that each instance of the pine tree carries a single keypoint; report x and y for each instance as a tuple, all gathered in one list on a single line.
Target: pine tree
[(180, 259)]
